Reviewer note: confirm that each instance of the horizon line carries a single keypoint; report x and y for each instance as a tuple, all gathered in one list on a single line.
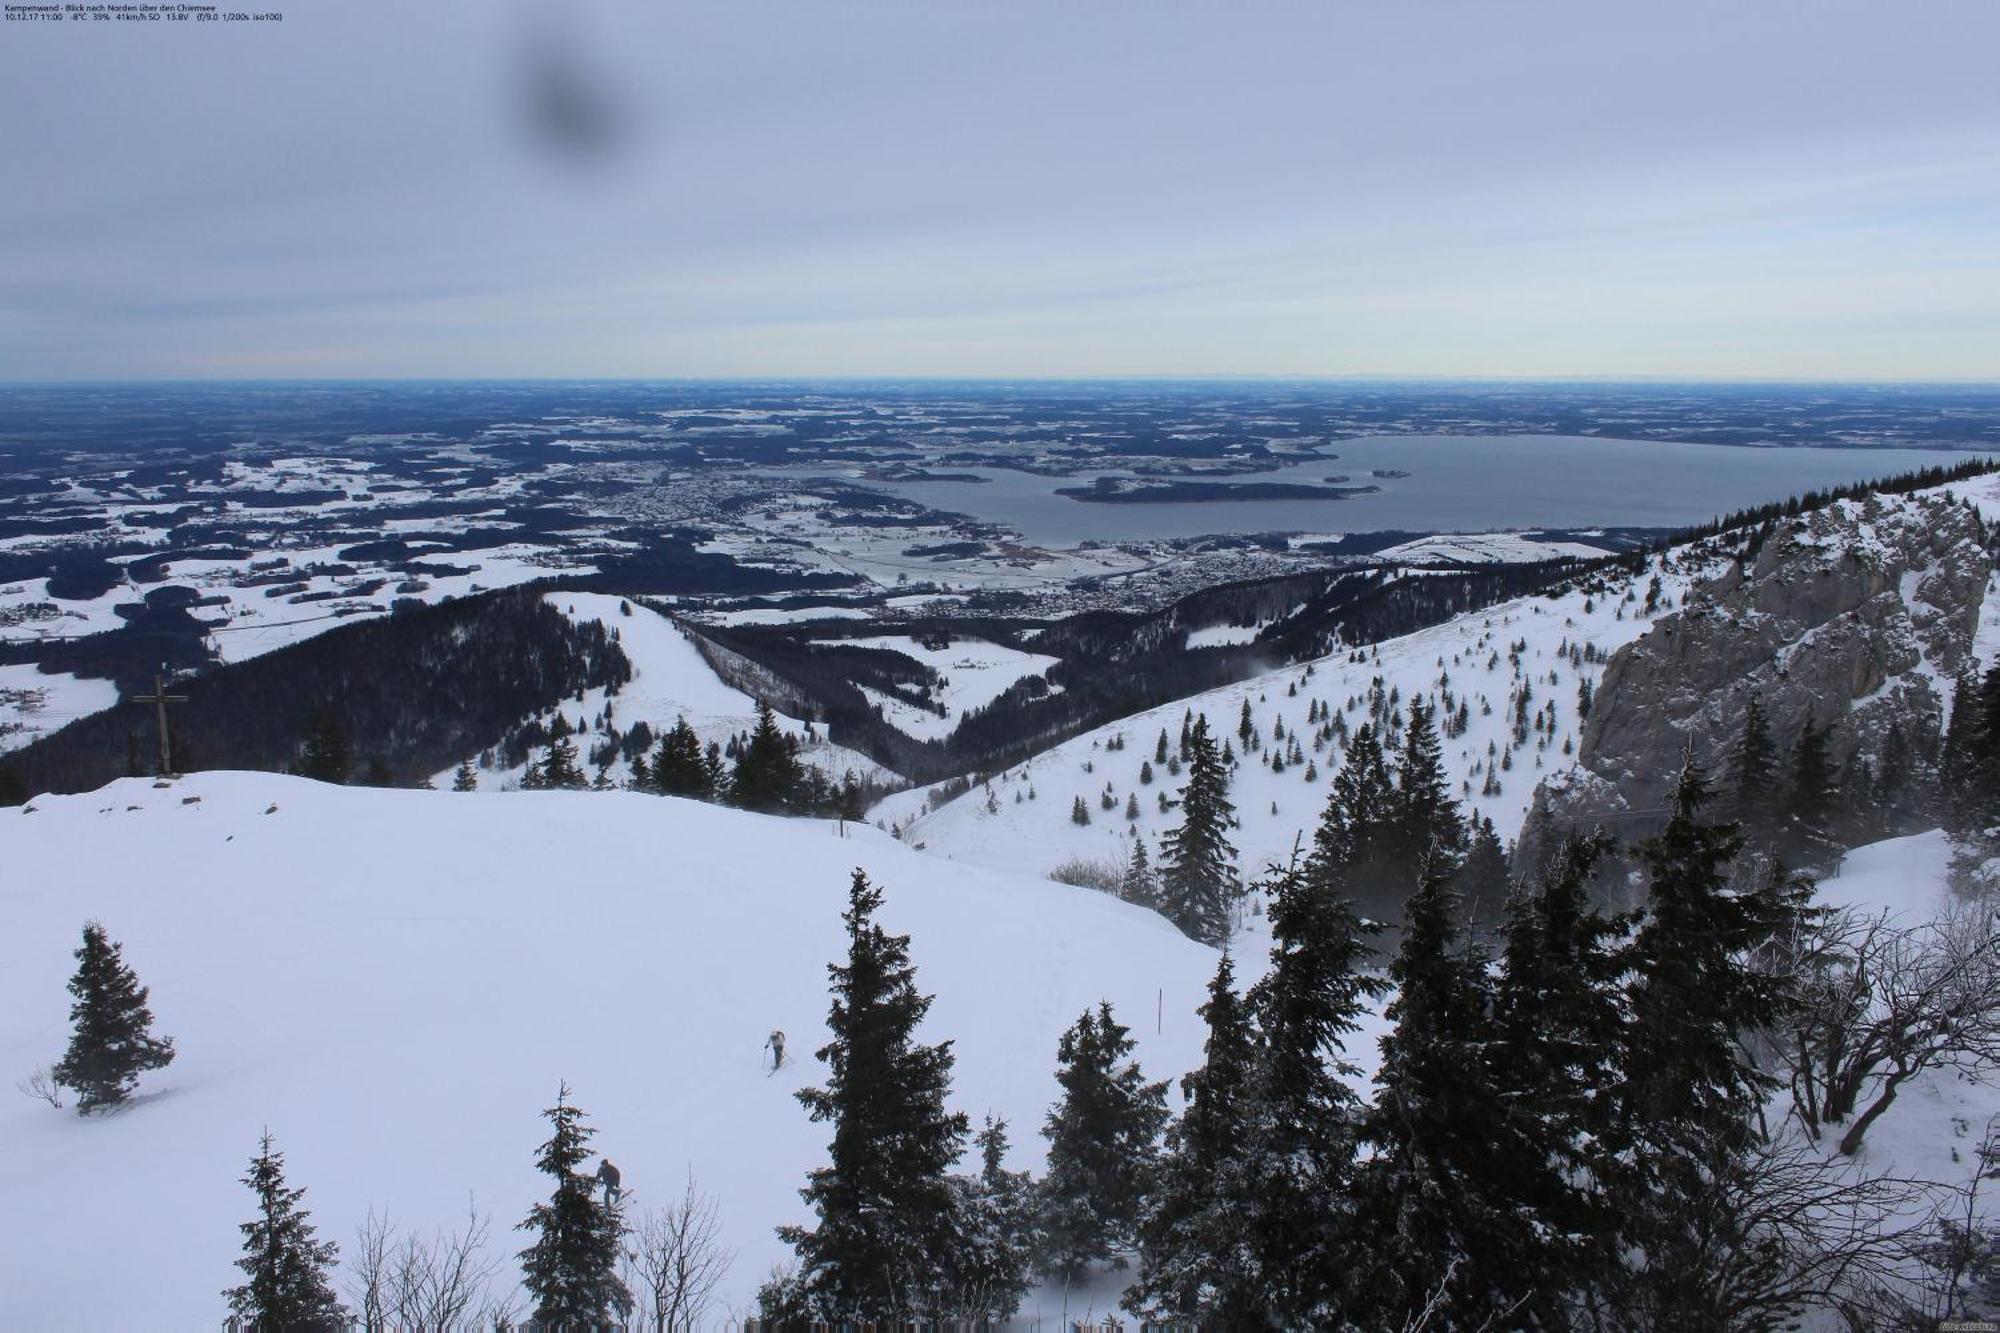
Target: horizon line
[(1238, 377)]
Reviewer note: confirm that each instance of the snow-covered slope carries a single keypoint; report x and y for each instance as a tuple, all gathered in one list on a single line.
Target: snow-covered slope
[(670, 679), (1551, 644), (394, 982)]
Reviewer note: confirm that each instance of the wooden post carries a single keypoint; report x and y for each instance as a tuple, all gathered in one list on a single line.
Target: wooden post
[(159, 698)]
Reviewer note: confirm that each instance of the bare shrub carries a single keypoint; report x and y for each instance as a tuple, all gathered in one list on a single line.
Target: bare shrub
[(1882, 1003), (42, 1086), (422, 1284), (676, 1259), (1086, 873)]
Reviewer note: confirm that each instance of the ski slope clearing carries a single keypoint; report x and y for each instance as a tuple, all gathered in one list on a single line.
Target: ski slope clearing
[(973, 672), (670, 679), (394, 983), (1548, 646)]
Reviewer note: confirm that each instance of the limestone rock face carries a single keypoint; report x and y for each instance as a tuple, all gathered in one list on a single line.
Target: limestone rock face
[(1859, 615)]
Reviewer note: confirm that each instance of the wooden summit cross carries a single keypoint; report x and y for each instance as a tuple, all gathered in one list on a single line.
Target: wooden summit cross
[(159, 698)]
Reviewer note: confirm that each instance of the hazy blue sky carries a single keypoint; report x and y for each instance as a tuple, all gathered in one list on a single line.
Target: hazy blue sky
[(1009, 187)]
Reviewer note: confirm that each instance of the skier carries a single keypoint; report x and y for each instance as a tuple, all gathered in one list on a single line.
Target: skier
[(607, 1176), (775, 1044)]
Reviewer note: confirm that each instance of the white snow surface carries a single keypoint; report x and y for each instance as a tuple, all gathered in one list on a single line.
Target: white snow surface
[(394, 983), (1474, 652), (670, 679), (975, 672)]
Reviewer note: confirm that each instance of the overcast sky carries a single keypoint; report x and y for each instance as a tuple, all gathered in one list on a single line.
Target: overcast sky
[(1009, 187)]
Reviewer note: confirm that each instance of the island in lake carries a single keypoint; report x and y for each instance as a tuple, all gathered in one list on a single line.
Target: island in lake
[(1148, 490)]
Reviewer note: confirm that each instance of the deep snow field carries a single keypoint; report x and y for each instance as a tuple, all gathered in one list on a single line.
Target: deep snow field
[(395, 982)]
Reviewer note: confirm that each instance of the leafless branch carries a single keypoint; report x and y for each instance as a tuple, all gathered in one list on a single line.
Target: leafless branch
[(677, 1260), (42, 1086), (1885, 1002)]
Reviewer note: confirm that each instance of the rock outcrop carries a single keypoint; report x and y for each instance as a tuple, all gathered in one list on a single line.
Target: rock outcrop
[(1860, 615)]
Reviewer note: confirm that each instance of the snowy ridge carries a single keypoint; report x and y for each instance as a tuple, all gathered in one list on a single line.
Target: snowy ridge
[(1481, 660)]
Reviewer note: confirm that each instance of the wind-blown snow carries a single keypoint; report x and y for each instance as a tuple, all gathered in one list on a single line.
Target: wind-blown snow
[(394, 983)]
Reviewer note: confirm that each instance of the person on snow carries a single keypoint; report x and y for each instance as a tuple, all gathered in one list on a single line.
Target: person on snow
[(775, 1044), (607, 1176)]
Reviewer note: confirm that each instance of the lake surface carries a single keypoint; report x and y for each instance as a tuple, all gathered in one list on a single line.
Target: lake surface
[(1456, 484)]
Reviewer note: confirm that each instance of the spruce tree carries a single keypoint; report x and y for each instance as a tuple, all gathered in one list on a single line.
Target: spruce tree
[(1103, 1141), (1439, 1213), (767, 767), (465, 778), (1191, 1267), (1295, 1200), (286, 1266), (1427, 822), (1560, 1015), (557, 769), (1752, 776), (1690, 1095), (325, 754), (1960, 774), (112, 1040), (1139, 885), (1197, 872), (1809, 800), (882, 1246), (995, 1241), (679, 768), (572, 1268), (1483, 880), (1358, 838)]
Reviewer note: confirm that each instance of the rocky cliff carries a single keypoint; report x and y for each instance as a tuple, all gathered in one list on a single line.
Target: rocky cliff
[(1860, 615)]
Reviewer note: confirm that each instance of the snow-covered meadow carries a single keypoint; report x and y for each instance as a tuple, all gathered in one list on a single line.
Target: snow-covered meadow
[(395, 982)]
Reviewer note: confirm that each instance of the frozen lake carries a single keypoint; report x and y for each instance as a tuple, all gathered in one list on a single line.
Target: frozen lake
[(1456, 484)]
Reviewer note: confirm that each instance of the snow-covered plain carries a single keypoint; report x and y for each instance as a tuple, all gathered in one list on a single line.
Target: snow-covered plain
[(394, 983)]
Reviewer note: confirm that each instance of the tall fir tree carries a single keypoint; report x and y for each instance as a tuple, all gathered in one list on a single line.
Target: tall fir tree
[(1810, 800), (1960, 778), (465, 777), (287, 1268), (111, 1042), (995, 1239), (572, 1268), (1484, 880), (1689, 1097), (1297, 1185), (1751, 779), (1192, 1267), (1139, 884), (1103, 1143), (325, 753), (1198, 882), (1560, 1014), (1427, 823), (1446, 1153), (767, 767), (679, 768), (882, 1246), (1358, 839), (557, 769)]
